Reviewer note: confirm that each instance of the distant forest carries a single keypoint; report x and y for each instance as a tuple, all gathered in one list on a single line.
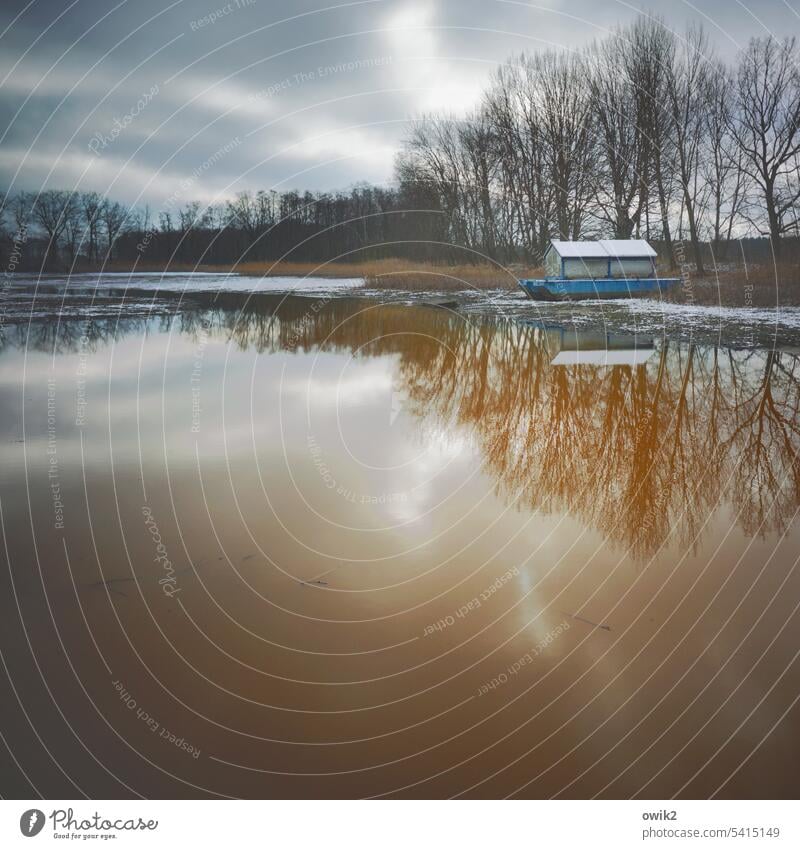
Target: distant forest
[(643, 134), (57, 230)]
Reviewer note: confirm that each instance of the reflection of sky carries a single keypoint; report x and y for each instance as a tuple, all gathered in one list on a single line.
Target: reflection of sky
[(254, 409), (417, 489), (342, 436), (384, 587), (323, 457)]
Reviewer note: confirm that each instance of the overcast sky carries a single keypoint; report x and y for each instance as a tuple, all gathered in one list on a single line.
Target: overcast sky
[(147, 101)]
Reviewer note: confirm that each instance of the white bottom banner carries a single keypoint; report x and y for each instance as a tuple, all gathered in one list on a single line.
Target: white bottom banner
[(403, 824)]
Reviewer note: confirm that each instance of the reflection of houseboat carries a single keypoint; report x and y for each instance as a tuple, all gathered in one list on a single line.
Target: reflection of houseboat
[(607, 268), (596, 347)]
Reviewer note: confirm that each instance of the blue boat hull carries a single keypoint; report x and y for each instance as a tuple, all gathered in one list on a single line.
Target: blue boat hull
[(561, 290)]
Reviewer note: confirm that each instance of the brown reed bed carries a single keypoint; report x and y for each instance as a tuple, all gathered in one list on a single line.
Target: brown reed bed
[(757, 286), (377, 274)]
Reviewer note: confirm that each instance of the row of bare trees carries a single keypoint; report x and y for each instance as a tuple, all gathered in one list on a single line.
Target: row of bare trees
[(62, 230), (68, 223), (645, 133)]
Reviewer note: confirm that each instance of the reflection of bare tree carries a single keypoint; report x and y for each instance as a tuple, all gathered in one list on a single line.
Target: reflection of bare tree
[(766, 432), (638, 452), (67, 335)]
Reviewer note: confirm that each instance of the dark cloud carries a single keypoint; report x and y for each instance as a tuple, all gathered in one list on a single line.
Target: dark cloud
[(250, 93)]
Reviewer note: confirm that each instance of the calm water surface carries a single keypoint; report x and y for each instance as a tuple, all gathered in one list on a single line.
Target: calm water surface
[(326, 546)]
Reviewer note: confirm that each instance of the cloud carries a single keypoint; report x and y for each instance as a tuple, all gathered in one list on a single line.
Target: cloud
[(320, 96)]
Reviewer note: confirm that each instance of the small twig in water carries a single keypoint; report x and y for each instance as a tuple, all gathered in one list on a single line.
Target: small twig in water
[(587, 621)]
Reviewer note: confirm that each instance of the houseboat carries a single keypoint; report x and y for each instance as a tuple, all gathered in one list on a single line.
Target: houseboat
[(570, 346), (606, 268)]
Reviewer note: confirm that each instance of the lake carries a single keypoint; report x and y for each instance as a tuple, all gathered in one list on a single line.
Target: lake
[(315, 542)]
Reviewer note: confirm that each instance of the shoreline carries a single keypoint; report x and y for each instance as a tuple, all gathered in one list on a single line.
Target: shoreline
[(115, 300), (777, 286)]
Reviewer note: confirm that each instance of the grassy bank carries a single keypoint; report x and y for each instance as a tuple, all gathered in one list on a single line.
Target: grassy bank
[(757, 286), (396, 274)]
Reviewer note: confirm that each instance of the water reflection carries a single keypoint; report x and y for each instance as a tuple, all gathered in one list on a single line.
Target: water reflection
[(639, 438), (360, 476), (575, 347)]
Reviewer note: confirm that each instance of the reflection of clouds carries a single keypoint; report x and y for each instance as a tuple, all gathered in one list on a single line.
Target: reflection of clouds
[(369, 453), (643, 454), (147, 384), (428, 478), (381, 462), (338, 380)]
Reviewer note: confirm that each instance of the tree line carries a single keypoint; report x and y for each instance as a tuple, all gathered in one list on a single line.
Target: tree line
[(642, 134), (57, 230)]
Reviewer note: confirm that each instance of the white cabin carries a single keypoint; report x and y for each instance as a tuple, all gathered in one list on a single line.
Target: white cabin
[(603, 259)]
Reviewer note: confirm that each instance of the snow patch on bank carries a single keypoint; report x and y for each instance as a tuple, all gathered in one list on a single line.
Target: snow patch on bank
[(777, 316), (190, 282)]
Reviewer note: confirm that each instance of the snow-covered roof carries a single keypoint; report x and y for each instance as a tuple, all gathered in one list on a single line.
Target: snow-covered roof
[(602, 248), (627, 247)]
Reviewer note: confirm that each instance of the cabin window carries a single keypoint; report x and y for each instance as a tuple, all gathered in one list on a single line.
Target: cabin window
[(576, 269), (631, 267)]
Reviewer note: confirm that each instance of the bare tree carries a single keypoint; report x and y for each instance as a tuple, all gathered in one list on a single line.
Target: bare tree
[(114, 215), (435, 144), (622, 151), (52, 210), (648, 54), (688, 96), (477, 142), (21, 207), (564, 105), (252, 213), (513, 108), (74, 229), (722, 159), (92, 208), (766, 125)]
